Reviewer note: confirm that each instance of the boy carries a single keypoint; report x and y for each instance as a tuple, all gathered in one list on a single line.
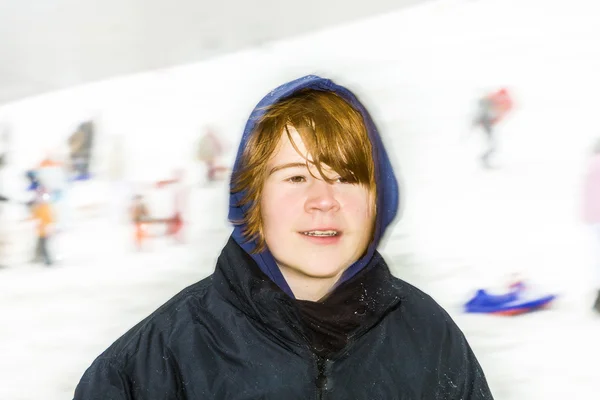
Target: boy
[(301, 305)]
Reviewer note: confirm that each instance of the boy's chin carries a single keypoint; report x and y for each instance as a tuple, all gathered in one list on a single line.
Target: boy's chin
[(320, 271)]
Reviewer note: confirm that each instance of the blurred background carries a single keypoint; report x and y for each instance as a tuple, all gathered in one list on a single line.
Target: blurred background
[(115, 113)]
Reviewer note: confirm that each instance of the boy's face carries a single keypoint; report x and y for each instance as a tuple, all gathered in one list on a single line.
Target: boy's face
[(311, 227)]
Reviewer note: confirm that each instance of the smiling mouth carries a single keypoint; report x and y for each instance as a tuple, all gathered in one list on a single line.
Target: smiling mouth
[(321, 233)]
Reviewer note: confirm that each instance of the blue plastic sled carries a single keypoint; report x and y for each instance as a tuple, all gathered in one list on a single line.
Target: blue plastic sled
[(515, 302)]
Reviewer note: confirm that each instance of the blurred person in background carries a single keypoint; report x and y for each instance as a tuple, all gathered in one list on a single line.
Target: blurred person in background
[(81, 149), (301, 304), (4, 145), (491, 109), (140, 216), (591, 208), (52, 175), (3, 158), (210, 149), (2, 238), (41, 211)]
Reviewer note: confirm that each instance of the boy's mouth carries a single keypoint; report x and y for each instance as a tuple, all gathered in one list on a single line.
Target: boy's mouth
[(323, 233)]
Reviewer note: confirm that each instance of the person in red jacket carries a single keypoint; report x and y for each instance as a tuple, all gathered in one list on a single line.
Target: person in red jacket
[(492, 108)]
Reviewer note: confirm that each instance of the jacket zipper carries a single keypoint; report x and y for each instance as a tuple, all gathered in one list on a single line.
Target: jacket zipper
[(323, 363), (322, 377)]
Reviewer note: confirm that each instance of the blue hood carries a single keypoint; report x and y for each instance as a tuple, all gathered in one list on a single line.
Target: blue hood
[(387, 186)]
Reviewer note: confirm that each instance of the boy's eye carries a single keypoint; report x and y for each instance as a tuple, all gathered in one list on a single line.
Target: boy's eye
[(350, 180), (297, 179)]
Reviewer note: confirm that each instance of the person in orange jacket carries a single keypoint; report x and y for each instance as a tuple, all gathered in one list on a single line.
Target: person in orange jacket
[(42, 212), (140, 216)]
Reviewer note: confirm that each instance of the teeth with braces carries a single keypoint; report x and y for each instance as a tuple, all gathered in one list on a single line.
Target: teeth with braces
[(321, 233)]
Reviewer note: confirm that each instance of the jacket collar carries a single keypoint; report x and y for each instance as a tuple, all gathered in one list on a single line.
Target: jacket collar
[(350, 310)]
